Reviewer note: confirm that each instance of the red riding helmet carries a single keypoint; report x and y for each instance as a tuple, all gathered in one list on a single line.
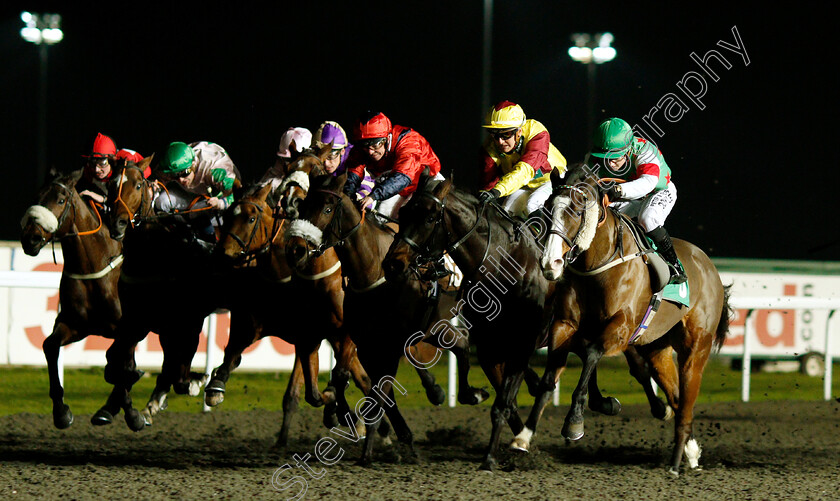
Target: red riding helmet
[(103, 146), (133, 156), (372, 126)]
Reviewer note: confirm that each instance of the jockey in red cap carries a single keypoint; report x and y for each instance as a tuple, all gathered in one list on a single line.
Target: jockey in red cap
[(394, 155)]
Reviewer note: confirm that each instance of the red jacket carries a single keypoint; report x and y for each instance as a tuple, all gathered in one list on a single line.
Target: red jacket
[(408, 153)]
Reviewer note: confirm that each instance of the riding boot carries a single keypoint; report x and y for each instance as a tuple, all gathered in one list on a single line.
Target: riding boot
[(665, 248)]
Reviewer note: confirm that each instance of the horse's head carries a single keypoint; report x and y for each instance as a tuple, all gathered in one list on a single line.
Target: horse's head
[(423, 235), (324, 217), (295, 184), (53, 215), (249, 226), (575, 206), (129, 196)]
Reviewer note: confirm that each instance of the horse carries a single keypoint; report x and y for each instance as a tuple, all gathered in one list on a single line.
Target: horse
[(159, 257), (329, 219), (614, 310), (252, 233), (88, 301), (506, 292)]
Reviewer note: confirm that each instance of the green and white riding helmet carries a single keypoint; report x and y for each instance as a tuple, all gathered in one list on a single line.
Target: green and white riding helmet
[(612, 139), (179, 157)]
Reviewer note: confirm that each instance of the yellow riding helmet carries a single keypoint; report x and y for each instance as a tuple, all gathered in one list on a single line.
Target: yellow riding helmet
[(505, 115)]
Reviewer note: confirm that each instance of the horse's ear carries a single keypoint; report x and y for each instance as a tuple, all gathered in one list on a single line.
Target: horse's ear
[(325, 150), (146, 162), (556, 178), (442, 189), (263, 192), (424, 179)]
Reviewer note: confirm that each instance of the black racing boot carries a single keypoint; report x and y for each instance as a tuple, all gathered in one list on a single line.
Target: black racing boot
[(665, 248)]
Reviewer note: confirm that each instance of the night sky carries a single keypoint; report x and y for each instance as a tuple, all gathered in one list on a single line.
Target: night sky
[(750, 168)]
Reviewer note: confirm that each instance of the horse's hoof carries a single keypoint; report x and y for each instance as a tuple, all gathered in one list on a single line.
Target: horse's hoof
[(474, 397), (213, 398), (63, 419), (489, 464), (674, 472), (135, 420), (364, 461), (572, 431), (147, 416), (436, 395), (330, 416), (194, 388), (101, 418), (519, 445), (328, 396), (215, 385), (669, 413), (609, 406)]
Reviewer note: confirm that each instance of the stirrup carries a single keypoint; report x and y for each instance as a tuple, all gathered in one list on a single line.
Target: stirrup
[(678, 275)]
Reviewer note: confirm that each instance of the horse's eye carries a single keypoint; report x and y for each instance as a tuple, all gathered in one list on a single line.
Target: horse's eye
[(430, 220), (327, 210), (61, 201), (252, 219)]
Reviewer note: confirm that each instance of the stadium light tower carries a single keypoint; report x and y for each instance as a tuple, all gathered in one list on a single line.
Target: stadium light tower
[(591, 50), (43, 30)]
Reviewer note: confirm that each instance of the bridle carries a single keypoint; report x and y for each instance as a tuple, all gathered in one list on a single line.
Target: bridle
[(145, 198), (330, 228), (424, 253), (246, 255), (574, 249)]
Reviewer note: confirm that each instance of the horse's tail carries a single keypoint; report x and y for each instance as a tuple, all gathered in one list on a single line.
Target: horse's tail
[(725, 316)]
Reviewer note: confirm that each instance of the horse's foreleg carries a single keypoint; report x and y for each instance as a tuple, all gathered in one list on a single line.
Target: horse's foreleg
[(555, 364), (467, 395), (290, 402), (424, 353), (309, 366), (573, 426), (243, 333), (61, 335)]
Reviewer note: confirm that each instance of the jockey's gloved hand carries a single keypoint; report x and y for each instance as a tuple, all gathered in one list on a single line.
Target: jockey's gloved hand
[(614, 192), (489, 195)]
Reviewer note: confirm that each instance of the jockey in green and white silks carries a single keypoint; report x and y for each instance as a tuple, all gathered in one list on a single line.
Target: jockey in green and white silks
[(649, 194)]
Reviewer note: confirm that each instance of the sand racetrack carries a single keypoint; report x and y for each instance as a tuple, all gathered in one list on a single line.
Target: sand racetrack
[(760, 450)]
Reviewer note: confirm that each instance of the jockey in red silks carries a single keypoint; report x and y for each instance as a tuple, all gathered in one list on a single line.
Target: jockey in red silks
[(99, 167), (395, 156)]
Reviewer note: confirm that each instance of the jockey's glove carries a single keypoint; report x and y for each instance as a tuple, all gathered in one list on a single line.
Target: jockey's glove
[(614, 192), (489, 195)]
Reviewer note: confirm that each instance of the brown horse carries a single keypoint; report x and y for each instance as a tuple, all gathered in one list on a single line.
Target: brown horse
[(252, 232), (88, 289), (506, 292), (613, 308), (381, 316), (164, 284)]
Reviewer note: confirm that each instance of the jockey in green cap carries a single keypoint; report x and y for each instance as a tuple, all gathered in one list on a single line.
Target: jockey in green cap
[(204, 169), (649, 193)]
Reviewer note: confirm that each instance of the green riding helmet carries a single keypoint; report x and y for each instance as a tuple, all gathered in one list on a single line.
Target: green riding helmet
[(612, 139), (179, 157)]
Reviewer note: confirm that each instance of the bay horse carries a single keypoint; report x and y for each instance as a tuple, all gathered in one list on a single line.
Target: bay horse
[(169, 284), (253, 232), (88, 301), (594, 243), (506, 292), (381, 316)]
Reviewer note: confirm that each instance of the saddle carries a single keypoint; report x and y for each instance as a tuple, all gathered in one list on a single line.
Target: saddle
[(658, 269)]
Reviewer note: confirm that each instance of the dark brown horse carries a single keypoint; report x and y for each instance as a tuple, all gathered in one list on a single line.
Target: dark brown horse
[(88, 289), (613, 308), (381, 316), (505, 293), (169, 284), (253, 233)]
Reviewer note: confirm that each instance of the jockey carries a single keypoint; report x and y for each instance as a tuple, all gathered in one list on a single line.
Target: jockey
[(517, 160), (97, 169), (336, 162), (649, 193), (132, 156), (201, 169), (395, 156), (302, 138)]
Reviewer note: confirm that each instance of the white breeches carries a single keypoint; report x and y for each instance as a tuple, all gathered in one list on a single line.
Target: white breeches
[(526, 200), (651, 210)]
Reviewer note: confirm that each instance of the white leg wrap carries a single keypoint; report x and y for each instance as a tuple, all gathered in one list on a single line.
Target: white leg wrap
[(692, 453)]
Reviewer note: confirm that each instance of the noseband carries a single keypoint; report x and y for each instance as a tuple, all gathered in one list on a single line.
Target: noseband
[(574, 248)]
